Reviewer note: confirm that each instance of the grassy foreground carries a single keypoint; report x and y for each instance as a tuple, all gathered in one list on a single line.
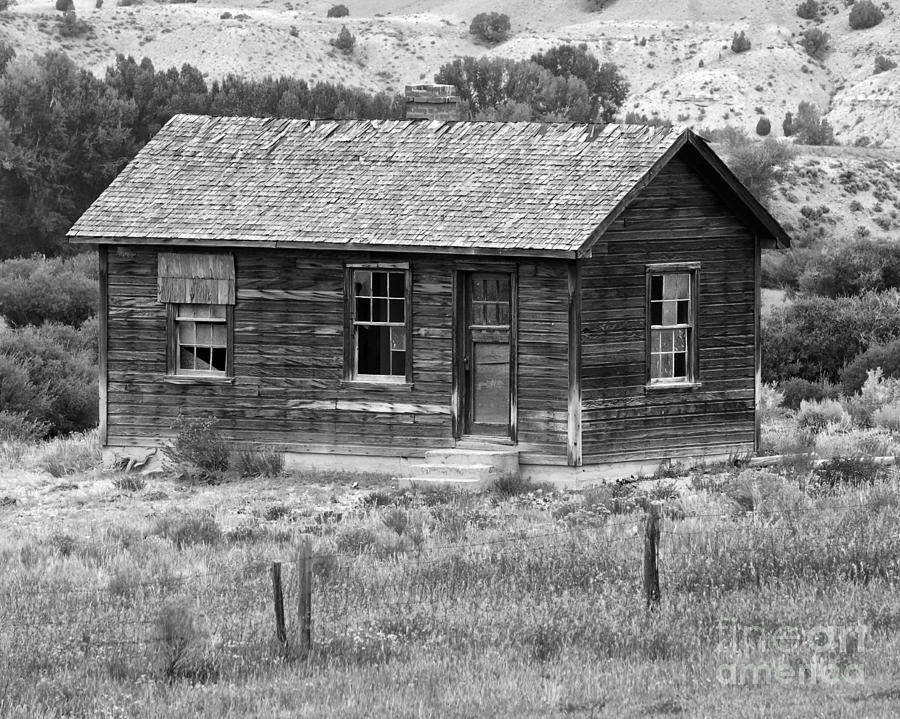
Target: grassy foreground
[(121, 596)]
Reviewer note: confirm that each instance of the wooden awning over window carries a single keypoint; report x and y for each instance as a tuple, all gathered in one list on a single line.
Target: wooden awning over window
[(196, 278)]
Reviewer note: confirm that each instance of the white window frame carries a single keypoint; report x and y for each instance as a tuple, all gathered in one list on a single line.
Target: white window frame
[(691, 376)]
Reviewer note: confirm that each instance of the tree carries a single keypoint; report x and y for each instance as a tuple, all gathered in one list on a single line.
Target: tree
[(491, 27), (65, 135), (787, 126), (565, 83), (810, 128), (763, 127), (338, 11), (757, 164), (608, 88), (345, 41)]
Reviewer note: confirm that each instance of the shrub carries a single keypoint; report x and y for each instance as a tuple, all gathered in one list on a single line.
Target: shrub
[(852, 268), (345, 41), (65, 5), (887, 417), (808, 10), (36, 290), (816, 415), (815, 42), (198, 444), (787, 125), (130, 482), (187, 529), (50, 374), (182, 646), (259, 463), (19, 426), (491, 27), (740, 43), (70, 25), (844, 472), (338, 11), (795, 390), (865, 14), (816, 337), (876, 392), (883, 64), (810, 128), (225, 16), (76, 453), (763, 127), (886, 357), (597, 5), (757, 164)]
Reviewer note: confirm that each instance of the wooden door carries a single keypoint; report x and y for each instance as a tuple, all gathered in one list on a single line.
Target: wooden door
[(487, 354)]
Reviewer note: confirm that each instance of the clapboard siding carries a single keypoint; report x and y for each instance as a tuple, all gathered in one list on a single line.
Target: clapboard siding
[(288, 389), (677, 218)]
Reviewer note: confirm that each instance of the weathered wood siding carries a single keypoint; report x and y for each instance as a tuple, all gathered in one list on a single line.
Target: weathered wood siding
[(677, 218), (543, 361), (289, 358)]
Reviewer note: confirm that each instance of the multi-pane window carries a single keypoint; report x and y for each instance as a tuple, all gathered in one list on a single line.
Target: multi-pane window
[(672, 323), (379, 320), (202, 335)]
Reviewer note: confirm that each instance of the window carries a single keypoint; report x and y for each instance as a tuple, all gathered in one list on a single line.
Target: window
[(379, 319), (202, 336), (671, 312), (199, 292)]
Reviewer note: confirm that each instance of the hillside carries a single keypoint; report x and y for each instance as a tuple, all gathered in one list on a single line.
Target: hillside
[(676, 54)]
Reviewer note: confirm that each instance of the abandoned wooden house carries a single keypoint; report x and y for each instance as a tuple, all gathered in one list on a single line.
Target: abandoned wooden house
[(574, 300)]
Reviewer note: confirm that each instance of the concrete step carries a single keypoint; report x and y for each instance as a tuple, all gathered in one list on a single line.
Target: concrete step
[(504, 461), (451, 471), (467, 484)]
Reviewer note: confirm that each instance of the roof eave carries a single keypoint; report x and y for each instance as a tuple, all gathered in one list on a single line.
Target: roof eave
[(84, 239)]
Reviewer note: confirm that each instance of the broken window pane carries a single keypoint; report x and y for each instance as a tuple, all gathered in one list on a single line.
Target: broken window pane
[(656, 287), (398, 284), (379, 284)]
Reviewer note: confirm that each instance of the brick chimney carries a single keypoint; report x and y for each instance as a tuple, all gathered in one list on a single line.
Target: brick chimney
[(432, 102)]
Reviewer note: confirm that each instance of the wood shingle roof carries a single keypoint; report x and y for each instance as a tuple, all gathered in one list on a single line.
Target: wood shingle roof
[(471, 187)]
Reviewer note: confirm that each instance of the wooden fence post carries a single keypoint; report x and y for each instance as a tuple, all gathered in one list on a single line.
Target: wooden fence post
[(651, 556), (304, 597), (278, 595)]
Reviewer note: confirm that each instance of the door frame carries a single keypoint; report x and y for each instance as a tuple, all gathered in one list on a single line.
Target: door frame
[(459, 388)]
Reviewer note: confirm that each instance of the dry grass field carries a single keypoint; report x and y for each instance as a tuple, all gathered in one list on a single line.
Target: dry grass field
[(145, 596)]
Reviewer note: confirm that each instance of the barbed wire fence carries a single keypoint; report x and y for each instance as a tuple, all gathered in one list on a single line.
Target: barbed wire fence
[(345, 604)]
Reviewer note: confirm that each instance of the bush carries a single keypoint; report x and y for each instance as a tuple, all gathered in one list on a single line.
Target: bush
[(883, 64), (810, 128), (816, 415), (887, 418), (36, 290), (19, 426), (50, 374), (763, 127), (182, 646), (491, 27), (852, 268), (338, 11), (787, 125), (187, 529), (815, 42), (886, 357), (70, 455), (70, 25), (808, 10), (345, 41), (865, 14), (757, 164), (65, 5), (815, 337), (740, 43), (797, 390), (225, 16), (259, 463), (198, 444), (844, 472)]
